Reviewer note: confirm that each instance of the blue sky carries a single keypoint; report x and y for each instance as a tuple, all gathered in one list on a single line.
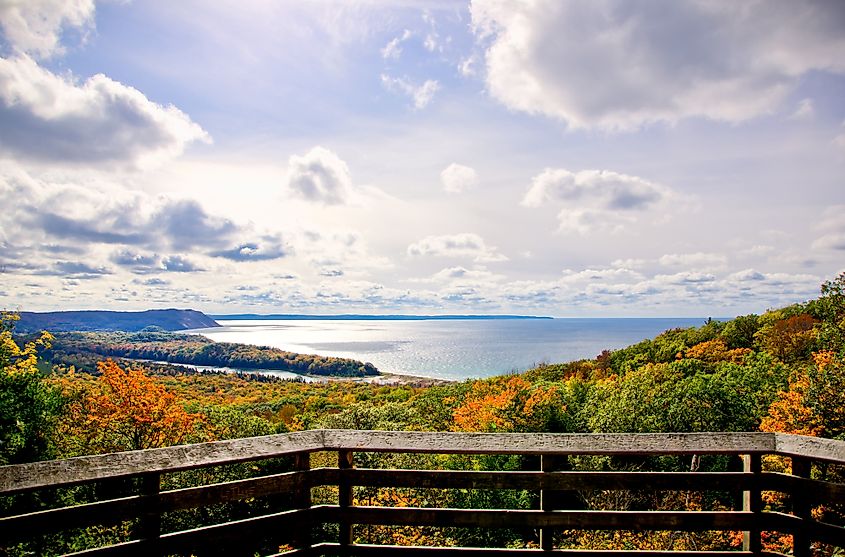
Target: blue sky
[(567, 158)]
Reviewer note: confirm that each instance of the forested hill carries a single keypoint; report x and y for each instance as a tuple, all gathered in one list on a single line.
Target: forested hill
[(85, 349), (97, 320)]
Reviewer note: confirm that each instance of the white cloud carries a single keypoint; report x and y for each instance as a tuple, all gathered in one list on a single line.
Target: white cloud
[(467, 67), (35, 26), (53, 118), (393, 49), (320, 176), (422, 94), (456, 245), (832, 226), (595, 199), (616, 65), (805, 110), (457, 178), (698, 260)]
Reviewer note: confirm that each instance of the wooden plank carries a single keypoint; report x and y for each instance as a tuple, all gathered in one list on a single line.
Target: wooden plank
[(827, 533), (752, 502), (586, 520), (201, 496), (114, 511), (801, 508), (813, 448), (132, 548), (563, 481), (26, 477), (817, 490), (389, 550), (345, 463), (238, 532), (550, 443), (106, 513)]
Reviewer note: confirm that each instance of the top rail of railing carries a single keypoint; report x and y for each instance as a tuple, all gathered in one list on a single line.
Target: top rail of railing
[(58, 473)]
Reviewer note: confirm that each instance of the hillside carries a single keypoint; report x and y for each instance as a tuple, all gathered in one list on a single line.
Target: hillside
[(128, 321)]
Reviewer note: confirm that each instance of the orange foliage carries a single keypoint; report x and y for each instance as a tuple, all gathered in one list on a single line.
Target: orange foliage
[(716, 351), (815, 402), (507, 404), (127, 410)]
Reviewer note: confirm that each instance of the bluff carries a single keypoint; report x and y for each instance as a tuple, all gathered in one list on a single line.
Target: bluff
[(129, 321)]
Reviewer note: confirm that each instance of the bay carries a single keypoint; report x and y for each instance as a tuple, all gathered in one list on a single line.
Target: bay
[(449, 349)]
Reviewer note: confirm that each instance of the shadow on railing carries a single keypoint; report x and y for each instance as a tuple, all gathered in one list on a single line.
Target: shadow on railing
[(320, 492)]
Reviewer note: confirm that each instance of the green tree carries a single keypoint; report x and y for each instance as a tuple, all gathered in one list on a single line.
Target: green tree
[(29, 407)]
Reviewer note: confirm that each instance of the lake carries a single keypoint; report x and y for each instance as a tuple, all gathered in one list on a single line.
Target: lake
[(448, 349)]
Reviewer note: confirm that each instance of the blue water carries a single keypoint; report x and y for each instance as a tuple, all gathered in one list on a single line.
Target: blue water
[(456, 349)]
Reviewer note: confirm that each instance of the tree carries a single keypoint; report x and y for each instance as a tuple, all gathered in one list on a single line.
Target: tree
[(814, 404), (127, 410), (28, 405)]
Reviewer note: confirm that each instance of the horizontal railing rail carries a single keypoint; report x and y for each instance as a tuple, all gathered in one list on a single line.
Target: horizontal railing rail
[(291, 514)]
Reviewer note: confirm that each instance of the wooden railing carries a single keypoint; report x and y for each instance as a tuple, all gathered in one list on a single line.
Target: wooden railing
[(312, 499)]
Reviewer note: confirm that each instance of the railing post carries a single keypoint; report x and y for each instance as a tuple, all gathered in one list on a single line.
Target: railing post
[(345, 461), (801, 507), (302, 499), (149, 521), (752, 501), (548, 463)]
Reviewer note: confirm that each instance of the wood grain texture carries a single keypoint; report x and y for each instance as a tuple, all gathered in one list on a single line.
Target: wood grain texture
[(55, 473), (814, 448), (549, 443)]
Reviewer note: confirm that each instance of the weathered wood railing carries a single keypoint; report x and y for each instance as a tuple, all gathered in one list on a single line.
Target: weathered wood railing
[(297, 515)]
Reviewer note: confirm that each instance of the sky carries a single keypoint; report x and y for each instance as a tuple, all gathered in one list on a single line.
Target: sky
[(570, 158)]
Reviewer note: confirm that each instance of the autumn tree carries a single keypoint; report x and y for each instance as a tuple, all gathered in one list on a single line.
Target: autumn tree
[(511, 404), (789, 339), (28, 406), (127, 410), (814, 404)]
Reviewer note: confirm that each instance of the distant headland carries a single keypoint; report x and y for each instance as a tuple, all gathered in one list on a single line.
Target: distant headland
[(100, 320)]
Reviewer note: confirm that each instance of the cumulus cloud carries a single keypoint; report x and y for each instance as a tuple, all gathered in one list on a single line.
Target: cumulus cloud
[(457, 245), (594, 199), (53, 118), (269, 248), (75, 270), (186, 224), (179, 264), (320, 176), (148, 263), (35, 26), (140, 262), (616, 65), (457, 178), (421, 93), (134, 231)]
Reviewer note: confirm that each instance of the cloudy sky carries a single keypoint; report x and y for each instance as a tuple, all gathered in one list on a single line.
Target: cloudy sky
[(566, 158)]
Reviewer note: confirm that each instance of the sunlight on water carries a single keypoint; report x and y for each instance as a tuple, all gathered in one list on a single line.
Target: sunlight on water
[(455, 349)]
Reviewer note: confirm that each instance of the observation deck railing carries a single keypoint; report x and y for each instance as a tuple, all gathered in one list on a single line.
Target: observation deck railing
[(298, 513)]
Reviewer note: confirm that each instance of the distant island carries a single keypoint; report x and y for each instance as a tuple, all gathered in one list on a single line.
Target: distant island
[(364, 317), (127, 321)]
